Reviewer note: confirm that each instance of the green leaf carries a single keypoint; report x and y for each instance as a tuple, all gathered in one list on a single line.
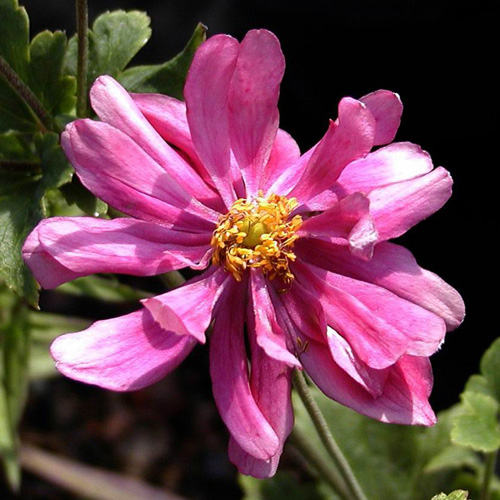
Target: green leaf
[(55, 90), (168, 78), (107, 289), (477, 425), (77, 194), (455, 495), (454, 457), (15, 146), (490, 368), (22, 206), (115, 38), (14, 36)]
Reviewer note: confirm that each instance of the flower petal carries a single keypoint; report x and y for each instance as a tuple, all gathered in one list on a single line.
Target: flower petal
[(61, 249), (379, 325), (348, 222), (387, 108), (113, 167), (392, 267), (285, 152), (187, 310), (270, 382), (349, 140), (169, 118), (398, 207), (404, 399), (269, 335), (393, 163), (229, 372), (253, 104), (206, 93), (121, 354), (115, 106)]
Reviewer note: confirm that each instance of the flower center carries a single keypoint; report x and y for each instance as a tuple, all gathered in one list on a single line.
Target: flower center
[(257, 232)]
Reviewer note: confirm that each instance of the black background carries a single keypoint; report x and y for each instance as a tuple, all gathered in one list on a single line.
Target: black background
[(441, 57)]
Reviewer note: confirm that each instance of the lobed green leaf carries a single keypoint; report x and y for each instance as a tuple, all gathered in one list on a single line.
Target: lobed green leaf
[(168, 78)]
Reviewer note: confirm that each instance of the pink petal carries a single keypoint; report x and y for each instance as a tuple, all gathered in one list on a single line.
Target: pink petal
[(206, 93), (350, 140), (393, 163), (168, 116), (187, 310), (229, 372), (404, 399), (394, 268), (379, 326), (284, 153), (387, 108), (115, 106), (271, 387), (253, 104), (113, 167), (61, 249), (121, 354), (398, 207), (269, 335), (348, 222)]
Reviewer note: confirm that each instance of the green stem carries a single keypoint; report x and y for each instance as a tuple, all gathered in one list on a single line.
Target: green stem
[(173, 279), (326, 437), (82, 27), (45, 122), (318, 463), (489, 469)]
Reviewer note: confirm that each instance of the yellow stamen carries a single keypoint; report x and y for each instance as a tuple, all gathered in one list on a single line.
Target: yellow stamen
[(257, 233)]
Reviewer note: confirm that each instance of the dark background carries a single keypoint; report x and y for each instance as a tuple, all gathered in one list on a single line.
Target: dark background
[(441, 57)]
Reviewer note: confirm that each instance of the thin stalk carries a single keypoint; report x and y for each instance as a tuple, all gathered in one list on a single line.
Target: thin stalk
[(489, 469), (317, 461), (173, 279), (326, 437), (82, 28), (45, 122)]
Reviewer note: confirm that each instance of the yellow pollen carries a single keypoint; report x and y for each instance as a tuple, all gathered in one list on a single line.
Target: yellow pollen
[(260, 233)]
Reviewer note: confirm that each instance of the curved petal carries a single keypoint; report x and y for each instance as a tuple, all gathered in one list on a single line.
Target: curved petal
[(398, 207), (348, 222), (349, 140), (379, 326), (230, 381), (169, 118), (121, 354), (206, 93), (393, 163), (394, 268), (270, 382), (285, 152), (61, 249), (268, 334), (187, 310), (114, 105), (404, 399), (253, 104), (387, 108), (113, 167)]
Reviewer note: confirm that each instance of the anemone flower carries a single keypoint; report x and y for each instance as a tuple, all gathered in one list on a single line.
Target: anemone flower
[(292, 250)]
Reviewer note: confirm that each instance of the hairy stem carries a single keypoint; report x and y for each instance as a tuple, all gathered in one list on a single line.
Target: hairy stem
[(318, 463), (45, 122), (82, 27), (326, 437), (489, 469)]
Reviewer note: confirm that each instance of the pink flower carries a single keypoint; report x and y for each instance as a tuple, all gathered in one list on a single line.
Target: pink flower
[(293, 246)]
